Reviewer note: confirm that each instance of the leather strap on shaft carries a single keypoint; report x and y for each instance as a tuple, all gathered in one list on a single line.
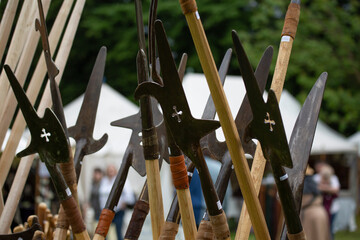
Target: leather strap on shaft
[(179, 172), (291, 20), (205, 231), (169, 231), (150, 143), (104, 223), (297, 236), (220, 226), (73, 215), (188, 6), (141, 210)]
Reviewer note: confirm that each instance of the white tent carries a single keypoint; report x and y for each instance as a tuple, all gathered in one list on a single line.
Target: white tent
[(355, 138), (112, 106), (326, 140)]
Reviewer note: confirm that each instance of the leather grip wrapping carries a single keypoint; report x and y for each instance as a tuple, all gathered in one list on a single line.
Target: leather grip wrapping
[(169, 231), (291, 20), (188, 6), (205, 231), (179, 172), (73, 215), (150, 144), (220, 226), (297, 236), (141, 210), (104, 223)]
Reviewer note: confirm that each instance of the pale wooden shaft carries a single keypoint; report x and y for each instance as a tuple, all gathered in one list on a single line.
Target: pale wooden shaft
[(257, 171), (6, 24), (281, 66), (15, 193), (25, 21), (32, 93), (19, 124), (21, 74), (60, 234), (259, 162), (187, 213), (82, 236), (228, 125), (98, 237), (155, 197)]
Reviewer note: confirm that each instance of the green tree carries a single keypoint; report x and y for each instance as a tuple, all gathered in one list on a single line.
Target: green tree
[(327, 39)]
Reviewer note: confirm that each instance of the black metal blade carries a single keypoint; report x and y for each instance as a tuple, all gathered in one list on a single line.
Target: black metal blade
[(47, 135), (266, 125)]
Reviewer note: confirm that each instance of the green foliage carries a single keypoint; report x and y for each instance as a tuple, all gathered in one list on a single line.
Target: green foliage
[(327, 40)]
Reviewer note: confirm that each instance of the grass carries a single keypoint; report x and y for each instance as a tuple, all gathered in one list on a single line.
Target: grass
[(346, 235), (341, 235)]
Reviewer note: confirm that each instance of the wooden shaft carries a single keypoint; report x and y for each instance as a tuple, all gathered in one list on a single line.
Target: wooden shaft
[(41, 213), (6, 24), (205, 231), (15, 193), (187, 213), (277, 84), (169, 231), (1, 203), (155, 197), (32, 92), (19, 124), (40, 70), (141, 210), (228, 125), (23, 25), (60, 234), (298, 236)]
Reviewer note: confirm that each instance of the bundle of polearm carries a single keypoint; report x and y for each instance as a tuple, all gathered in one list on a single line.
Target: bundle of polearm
[(171, 134)]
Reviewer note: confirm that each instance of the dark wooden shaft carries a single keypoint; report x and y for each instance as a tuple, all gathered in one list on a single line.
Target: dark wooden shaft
[(291, 215), (222, 181)]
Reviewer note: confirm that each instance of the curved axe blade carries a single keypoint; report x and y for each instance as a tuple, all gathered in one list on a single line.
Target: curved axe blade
[(83, 130), (267, 124), (47, 135), (303, 135), (302, 138)]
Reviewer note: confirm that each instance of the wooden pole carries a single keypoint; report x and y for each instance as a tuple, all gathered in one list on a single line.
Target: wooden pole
[(21, 74), (155, 197), (6, 24), (226, 119), (277, 84), (23, 25), (19, 125), (32, 92)]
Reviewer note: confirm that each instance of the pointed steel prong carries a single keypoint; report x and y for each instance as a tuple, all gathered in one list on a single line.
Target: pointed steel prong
[(182, 66), (127, 122), (27, 109), (252, 88), (87, 115), (168, 67), (201, 128), (31, 149), (210, 111)]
